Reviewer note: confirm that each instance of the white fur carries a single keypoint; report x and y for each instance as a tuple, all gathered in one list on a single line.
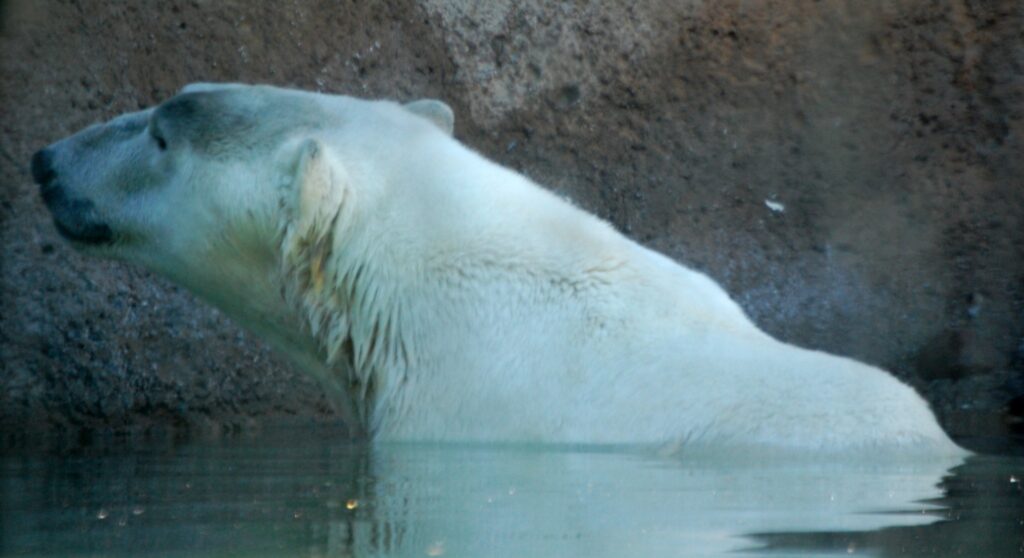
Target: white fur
[(443, 297)]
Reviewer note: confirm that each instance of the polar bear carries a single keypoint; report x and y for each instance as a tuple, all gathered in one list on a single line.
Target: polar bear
[(441, 297)]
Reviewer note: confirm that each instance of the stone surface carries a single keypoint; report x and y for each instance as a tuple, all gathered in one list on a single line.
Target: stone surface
[(851, 175)]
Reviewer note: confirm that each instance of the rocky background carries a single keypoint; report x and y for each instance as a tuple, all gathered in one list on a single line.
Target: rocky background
[(850, 171)]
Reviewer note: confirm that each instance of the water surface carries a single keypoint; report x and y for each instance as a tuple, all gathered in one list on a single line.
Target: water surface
[(303, 493)]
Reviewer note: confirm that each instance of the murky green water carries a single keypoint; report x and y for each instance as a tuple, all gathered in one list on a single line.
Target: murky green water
[(300, 493)]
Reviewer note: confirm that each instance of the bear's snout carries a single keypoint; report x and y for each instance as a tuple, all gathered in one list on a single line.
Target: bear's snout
[(75, 219)]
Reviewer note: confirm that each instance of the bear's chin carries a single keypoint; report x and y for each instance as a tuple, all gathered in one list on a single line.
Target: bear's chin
[(76, 221), (88, 234)]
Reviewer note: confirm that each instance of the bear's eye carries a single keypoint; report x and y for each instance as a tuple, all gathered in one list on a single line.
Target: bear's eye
[(161, 143), (156, 134)]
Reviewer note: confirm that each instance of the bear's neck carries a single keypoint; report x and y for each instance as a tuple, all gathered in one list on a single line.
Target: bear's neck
[(353, 313)]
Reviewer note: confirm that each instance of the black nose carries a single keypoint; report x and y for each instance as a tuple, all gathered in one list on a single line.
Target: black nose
[(42, 167)]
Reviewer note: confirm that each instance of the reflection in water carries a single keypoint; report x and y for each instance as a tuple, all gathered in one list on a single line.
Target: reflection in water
[(303, 495), (984, 503)]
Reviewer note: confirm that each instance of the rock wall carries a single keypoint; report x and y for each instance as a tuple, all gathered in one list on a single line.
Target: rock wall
[(851, 174)]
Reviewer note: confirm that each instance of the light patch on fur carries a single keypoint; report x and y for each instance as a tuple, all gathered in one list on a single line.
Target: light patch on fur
[(316, 273), (320, 190)]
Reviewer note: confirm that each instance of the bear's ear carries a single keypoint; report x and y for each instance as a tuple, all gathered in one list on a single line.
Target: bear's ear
[(316, 195), (435, 111)]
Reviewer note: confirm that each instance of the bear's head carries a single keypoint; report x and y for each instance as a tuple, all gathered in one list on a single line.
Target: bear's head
[(215, 186)]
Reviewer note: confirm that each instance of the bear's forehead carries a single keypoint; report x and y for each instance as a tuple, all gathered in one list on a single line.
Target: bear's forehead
[(120, 128), (232, 121)]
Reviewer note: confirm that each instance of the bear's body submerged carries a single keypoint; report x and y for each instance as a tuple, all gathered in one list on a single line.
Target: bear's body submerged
[(442, 297)]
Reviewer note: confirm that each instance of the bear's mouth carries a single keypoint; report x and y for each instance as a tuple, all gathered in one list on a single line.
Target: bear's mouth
[(75, 219), (85, 233)]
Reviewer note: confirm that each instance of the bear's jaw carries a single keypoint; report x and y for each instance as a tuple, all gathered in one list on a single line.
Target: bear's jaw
[(253, 299)]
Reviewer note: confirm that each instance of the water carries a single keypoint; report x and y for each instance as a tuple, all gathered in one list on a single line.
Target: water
[(301, 493)]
